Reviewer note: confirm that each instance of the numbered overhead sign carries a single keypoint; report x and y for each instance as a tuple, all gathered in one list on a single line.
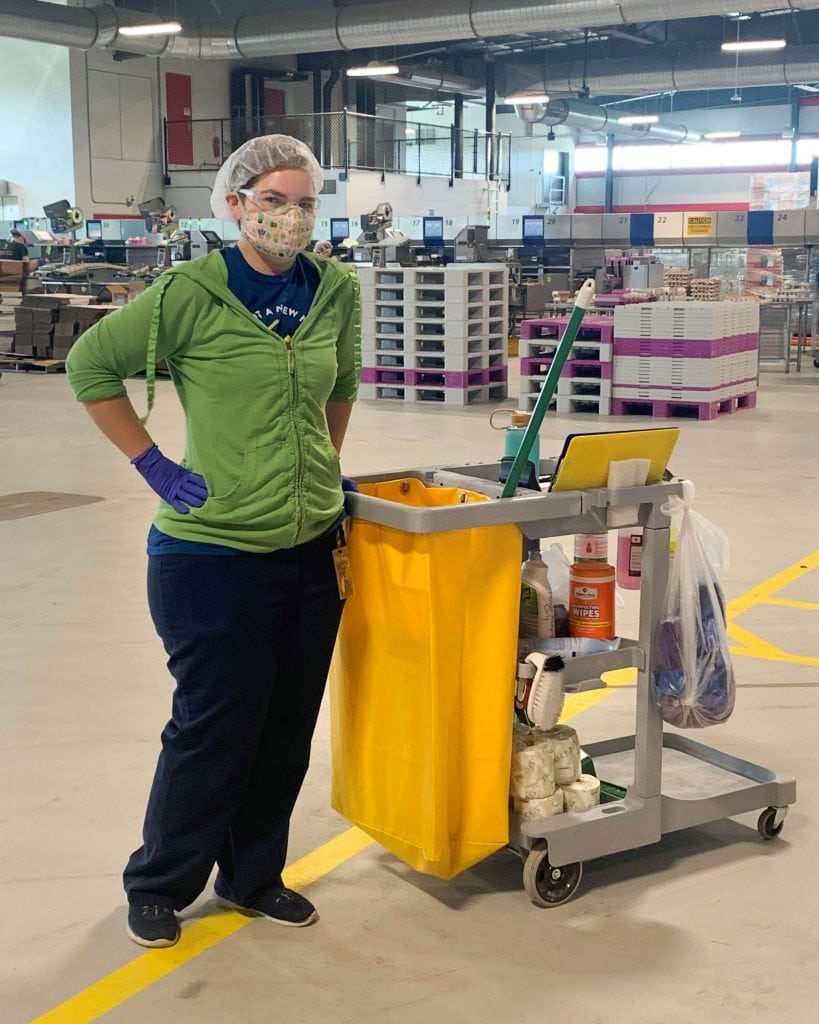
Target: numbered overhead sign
[(789, 227), (732, 227), (668, 228), (557, 227), (616, 229), (587, 227), (699, 228)]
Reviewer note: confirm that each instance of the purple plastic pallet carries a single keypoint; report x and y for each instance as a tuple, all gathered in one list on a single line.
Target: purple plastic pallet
[(667, 409), (384, 375), (537, 366)]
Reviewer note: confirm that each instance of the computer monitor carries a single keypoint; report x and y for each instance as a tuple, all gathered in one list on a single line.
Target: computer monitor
[(533, 230), (339, 229), (20, 225), (93, 229), (434, 231)]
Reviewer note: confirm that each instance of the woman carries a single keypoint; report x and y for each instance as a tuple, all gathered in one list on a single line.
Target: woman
[(262, 342)]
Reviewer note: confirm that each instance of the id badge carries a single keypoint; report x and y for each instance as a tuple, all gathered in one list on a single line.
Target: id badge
[(341, 563)]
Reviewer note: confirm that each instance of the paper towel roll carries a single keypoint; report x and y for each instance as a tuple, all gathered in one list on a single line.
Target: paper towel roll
[(533, 773), (563, 742), (540, 808), (582, 794)]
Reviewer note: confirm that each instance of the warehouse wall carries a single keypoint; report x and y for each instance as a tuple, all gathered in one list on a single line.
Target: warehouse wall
[(668, 191), (433, 197), (707, 188), (35, 125), (118, 109)]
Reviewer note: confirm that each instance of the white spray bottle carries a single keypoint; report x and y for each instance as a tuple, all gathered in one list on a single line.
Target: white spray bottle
[(537, 614)]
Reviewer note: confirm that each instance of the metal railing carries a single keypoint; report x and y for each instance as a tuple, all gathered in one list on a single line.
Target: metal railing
[(347, 141)]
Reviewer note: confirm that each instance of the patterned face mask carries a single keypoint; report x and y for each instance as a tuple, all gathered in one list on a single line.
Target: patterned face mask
[(282, 234)]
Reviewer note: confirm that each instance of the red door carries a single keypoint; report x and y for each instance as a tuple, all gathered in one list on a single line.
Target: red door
[(273, 102), (180, 115)]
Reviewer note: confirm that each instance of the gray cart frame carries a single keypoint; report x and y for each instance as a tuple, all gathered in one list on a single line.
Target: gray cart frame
[(672, 782)]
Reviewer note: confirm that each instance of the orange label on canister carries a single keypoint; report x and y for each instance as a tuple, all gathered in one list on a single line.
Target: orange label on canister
[(591, 600)]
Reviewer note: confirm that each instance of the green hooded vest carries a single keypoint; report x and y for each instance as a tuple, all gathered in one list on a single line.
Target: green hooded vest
[(256, 428)]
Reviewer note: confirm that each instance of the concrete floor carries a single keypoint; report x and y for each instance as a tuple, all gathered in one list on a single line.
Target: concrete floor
[(713, 924)]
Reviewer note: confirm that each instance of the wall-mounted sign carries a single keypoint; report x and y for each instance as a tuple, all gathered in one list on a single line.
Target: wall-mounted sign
[(699, 225)]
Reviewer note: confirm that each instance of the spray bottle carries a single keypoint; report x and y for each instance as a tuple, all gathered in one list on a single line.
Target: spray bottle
[(537, 614)]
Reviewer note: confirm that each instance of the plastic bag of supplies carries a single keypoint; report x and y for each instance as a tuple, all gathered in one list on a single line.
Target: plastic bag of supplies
[(693, 679), (422, 684)]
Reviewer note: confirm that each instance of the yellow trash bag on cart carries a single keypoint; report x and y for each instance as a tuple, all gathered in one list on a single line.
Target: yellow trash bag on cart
[(422, 685)]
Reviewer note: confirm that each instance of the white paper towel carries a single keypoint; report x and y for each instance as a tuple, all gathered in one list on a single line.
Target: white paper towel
[(625, 473)]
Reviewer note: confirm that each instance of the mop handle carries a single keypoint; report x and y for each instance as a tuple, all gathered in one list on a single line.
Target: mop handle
[(581, 304)]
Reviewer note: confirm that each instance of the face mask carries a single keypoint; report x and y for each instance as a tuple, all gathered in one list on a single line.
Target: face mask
[(283, 234)]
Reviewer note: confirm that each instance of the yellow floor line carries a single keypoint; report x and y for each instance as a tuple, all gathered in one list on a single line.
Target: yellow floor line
[(764, 593), (120, 985), (769, 587), (125, 982), (810, 606)]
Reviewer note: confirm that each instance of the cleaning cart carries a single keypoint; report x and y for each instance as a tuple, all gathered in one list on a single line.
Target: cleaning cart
[(671, 782)]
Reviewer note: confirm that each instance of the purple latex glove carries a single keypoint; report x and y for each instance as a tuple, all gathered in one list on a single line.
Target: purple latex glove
[(348, 484), (172, 482)]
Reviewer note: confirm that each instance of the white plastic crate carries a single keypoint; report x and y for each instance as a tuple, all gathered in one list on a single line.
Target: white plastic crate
[(586, 404), (582, 387)]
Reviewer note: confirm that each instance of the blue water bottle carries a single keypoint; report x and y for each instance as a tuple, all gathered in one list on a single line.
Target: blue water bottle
[(513, 435)]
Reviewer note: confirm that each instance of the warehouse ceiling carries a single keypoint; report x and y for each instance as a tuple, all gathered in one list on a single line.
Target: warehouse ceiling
[(603, 49)]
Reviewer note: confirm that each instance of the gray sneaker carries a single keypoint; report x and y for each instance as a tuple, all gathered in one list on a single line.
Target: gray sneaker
[(284, 906)]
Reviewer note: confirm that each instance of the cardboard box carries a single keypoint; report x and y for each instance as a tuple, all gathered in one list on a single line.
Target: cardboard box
[(60, 348), (122, 293)]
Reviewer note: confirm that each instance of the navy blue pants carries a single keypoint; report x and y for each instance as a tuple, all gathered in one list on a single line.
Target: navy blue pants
[(249, 640)]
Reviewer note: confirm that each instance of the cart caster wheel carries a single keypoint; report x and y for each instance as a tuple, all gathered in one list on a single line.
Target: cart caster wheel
[(548, 886), (767, 824)]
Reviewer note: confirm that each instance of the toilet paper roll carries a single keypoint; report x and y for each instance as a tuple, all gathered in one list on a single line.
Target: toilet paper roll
[(582, 794), (533, 772), (540, 808), (563, 742)]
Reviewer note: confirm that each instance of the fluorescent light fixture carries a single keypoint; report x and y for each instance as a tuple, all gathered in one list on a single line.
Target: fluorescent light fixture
[(158, 28), (638, 119), (520, 99), (373, 70), (754, 45), (721, 135)]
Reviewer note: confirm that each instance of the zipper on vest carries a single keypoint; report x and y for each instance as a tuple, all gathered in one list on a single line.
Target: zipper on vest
[(291, 369), (291, 359)]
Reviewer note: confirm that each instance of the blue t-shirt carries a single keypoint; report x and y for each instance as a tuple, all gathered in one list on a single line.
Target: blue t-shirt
[(281, 302)]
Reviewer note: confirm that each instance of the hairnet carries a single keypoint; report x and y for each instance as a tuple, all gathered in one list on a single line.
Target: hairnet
[(322, 245), (258, 156)]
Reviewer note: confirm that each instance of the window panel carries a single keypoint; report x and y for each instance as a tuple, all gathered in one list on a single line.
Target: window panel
[(590, 159)]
